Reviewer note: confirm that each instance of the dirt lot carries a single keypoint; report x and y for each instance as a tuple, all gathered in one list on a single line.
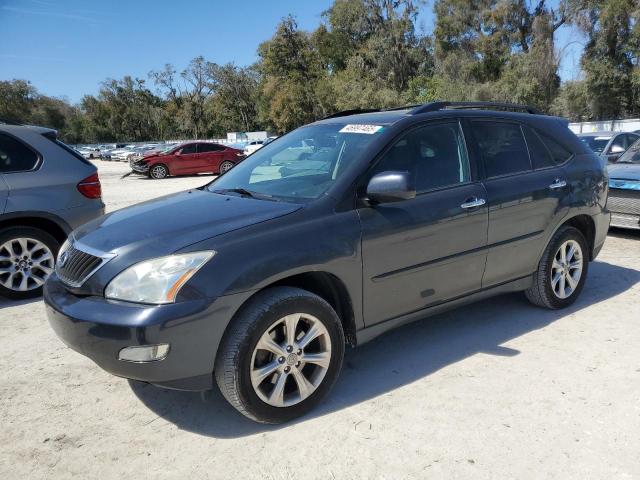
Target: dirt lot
[(495, 390)]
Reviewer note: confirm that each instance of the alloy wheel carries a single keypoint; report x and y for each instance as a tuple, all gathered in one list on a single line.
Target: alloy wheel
[(290, 360), (566, 269), (225, 166), (25, 264), (158, 172)]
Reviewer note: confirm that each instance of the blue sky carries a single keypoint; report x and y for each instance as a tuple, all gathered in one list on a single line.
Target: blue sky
[(67, 47)]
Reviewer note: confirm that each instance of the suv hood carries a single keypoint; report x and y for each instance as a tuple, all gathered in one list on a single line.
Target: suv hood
[(167, 224)]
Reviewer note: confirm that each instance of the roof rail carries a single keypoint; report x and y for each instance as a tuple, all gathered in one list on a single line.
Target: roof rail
[(370, 110), (512, 107), (354, 111)]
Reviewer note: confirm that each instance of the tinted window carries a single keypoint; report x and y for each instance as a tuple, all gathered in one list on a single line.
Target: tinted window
[(434, 154), (540, 155), (14, 156), (209, 147), (187, 149), (501, 147), (559, 153)]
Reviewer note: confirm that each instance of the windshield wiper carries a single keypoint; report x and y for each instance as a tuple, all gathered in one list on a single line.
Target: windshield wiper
[(246, 193)]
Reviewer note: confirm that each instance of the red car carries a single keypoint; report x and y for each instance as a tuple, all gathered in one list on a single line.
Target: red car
[(188, 159)]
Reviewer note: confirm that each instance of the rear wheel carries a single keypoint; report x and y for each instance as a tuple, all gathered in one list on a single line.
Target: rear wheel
[(281, 355), (226, 166), (158, 171), (27, 258), (562, 270)]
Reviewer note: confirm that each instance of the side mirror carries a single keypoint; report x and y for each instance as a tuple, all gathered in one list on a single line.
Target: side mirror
[(178, 152), (392, 186), (616, 149)]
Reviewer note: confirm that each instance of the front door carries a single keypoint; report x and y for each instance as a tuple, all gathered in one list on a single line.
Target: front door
[(186, 162), (429, 249), (525, 185), (4, 193)]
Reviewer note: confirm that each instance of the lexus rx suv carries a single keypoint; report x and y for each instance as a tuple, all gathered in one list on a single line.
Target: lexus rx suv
[(46, 190), (328, 237)]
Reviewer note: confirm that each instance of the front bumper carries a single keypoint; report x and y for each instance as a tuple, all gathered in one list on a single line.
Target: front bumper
[(139, 167), (100, 328)]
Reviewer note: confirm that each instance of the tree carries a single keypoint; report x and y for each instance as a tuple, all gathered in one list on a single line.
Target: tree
[(611, 56), (235, 94)]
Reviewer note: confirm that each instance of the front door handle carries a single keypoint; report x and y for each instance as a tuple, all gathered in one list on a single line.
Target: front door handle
[(557, 183), (474, 202)]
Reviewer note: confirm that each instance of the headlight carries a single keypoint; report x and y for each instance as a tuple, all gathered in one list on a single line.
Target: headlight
[(158, 280)]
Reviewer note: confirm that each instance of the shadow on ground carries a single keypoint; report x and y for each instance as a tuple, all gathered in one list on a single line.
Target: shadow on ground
[(5, 303), (398, 358), (624, 233)]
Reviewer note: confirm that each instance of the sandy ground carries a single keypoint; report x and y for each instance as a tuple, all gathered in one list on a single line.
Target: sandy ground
[(499, 389)]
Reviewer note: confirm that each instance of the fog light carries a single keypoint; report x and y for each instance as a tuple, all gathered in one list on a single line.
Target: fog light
[(144, 353)]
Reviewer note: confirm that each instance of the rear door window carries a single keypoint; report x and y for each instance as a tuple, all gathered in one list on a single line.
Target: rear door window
[(15, 156), (209, 147), (540, 154), (502, 148)]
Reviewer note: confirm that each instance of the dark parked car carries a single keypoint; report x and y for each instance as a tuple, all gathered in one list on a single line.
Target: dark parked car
[(326, 237), (188, 159), (46, 190), (624, 189), (609, 145)]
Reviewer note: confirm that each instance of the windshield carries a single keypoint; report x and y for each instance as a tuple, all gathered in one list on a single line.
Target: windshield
[(166, 149), (301, 166), (596, 144), (632, 155)]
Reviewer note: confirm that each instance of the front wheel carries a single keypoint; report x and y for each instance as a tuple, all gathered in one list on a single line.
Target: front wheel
[(158, 172), (562, 270), (281, 355)]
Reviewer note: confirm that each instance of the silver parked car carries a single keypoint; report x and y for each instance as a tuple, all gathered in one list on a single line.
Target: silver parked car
[(47, 189), (609, 145)]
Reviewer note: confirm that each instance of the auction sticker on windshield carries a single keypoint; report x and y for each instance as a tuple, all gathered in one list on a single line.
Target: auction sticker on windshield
[(368, 129)]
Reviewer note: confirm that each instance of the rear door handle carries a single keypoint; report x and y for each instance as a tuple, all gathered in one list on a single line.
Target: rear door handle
[(473, 203), (557, 183)]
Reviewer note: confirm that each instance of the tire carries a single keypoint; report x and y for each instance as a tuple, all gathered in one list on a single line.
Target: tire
[(159, 171), (225, 166), (13, 241), (550, 281), (239, 355)]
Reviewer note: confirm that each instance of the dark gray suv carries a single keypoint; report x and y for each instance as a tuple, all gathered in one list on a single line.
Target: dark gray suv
[(326, 237), (46, 190)]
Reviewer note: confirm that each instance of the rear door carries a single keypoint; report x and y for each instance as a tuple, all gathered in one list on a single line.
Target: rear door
[(524, 192), (431, 248), (212, 154)]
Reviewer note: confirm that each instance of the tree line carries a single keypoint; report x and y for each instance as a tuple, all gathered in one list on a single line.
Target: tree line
[(367, 54)]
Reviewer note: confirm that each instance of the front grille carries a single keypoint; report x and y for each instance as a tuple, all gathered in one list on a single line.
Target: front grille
[(624, 201), (75, 266)]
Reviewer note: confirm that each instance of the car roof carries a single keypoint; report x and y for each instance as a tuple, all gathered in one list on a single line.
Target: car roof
[(389, 117), (10, 128)]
